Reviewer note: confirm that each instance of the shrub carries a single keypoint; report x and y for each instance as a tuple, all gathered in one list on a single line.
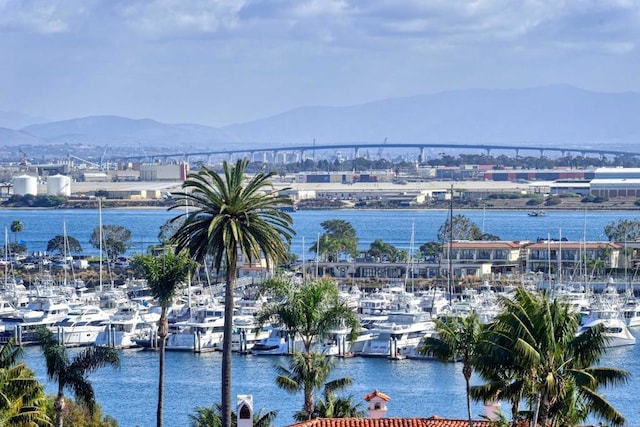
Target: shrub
[(534, 202), (553, 201)]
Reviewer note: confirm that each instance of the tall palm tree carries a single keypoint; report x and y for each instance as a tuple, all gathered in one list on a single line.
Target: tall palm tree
[(232, 214), (22, 397), (534, 339), (73, 373), (211, 417), (456, 339), (164, 275)]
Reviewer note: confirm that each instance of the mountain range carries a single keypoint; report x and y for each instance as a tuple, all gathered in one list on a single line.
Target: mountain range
[(549, 115)]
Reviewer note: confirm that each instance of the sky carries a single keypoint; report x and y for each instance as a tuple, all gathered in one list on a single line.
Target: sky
[(219, 62)]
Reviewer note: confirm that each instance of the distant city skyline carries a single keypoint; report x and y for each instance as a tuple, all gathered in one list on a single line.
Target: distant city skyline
[(230, 61)]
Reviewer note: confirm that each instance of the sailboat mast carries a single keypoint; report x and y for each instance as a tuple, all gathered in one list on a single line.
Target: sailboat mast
[(450, 275), (100, 235)]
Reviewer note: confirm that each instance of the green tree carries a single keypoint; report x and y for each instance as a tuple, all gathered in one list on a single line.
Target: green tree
[(164, 276), (212, 417), (16, 228), (334, 406), (382, 250), (463, 229), (22, 399), (77, 415), (456, 339), (623, 230), (60, 246), (532, 352), (73, 373), (312, 310), (339, 238), (307, 372), (116, 239), (168, 229), (431, 250), (232, 214)]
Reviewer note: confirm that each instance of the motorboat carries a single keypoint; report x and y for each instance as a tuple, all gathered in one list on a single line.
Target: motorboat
[(398, 335), (202, 333), (278, 343), (538, 212), (615, 331), (128, 327), (81, 326)]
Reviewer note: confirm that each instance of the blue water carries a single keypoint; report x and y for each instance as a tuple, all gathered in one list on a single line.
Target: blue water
[(391, 226), (417, 388)]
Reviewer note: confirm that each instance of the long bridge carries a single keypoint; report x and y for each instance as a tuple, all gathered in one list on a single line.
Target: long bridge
[(279, 154)]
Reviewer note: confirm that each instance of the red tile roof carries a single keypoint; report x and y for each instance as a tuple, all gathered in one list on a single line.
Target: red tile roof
[(434, 421), (377, 393)]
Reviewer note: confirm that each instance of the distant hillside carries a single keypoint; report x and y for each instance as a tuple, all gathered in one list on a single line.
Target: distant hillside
[(552, 115), (121, 131), (12, 137), (545, 115), (15, 120)]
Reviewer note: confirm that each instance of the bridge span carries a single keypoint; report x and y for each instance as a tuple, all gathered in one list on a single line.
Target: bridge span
[(279, 154)]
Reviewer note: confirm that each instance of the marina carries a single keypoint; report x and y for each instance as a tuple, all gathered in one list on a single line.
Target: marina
[(395, 321)]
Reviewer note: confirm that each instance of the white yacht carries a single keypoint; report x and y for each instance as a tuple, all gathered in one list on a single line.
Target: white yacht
[(201, 333), (398, 335), (278, 343), (81, 326), (615, 331), (126, 326)]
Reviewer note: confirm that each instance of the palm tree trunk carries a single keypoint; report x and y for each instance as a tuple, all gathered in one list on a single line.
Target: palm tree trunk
[(309, 407), (58, 405), (467, 379), (227, 338), (163, 331)]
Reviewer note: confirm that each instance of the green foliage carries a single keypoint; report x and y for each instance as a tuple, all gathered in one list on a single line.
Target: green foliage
[(58, 245), (116, 239), (168, 229), (384, 251), (72, 373), (232, 214), (102, 193), (536, 201), (594, 199), (553, 201), (212, 417), (22, 399), (430, 250), (339, 238), (31, 201), (457, 338), (78, 415), (463, 229), (506, 196), (533, 354), (623, 230)]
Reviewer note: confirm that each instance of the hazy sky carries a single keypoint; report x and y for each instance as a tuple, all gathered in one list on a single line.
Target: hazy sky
[(218, 62)]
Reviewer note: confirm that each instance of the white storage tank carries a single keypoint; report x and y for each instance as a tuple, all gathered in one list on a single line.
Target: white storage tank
[(59, 185), (25, 184)]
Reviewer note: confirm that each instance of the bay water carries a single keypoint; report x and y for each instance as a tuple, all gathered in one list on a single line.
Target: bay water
[(417, 388)]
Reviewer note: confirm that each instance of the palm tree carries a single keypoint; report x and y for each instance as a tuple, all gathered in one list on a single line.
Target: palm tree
[(310, 311), (532, 351), (16, 227), (164, 275), (72, 373), (333, 406), (232, 214), (211, 417), (308, 373), (456, 339), (22, 397)]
